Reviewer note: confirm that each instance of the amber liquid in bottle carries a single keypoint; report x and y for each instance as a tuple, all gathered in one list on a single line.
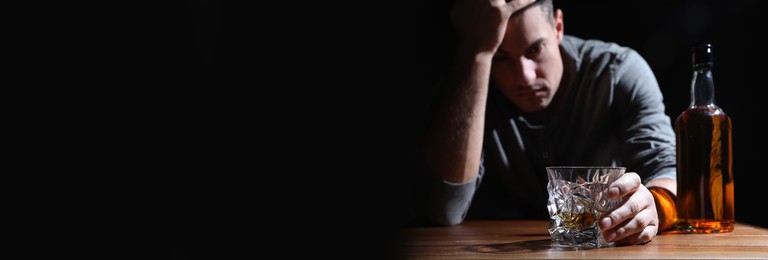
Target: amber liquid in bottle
[(705, 201)]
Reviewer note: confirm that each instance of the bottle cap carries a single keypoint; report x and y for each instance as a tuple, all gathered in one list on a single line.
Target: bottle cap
[(702, 56)]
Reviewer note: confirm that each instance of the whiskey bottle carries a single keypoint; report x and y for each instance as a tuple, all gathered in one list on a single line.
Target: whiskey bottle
[(705, 192)]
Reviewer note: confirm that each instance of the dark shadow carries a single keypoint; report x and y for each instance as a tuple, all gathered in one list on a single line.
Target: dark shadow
[(530, 246), (522, 247)]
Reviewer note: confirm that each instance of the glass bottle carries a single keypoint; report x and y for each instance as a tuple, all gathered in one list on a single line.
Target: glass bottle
[(705, 197)]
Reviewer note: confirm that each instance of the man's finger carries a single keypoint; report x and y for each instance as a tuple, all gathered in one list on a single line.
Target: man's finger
[(519, 4), (627, 183)]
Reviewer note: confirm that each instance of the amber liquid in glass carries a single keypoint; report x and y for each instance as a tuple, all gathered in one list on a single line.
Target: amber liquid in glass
[(705, 202)]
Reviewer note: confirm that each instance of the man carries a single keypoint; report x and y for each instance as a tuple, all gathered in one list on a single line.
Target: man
[(521, 96)]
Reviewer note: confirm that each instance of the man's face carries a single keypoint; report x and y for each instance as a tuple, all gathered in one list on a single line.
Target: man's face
[(527, 67)]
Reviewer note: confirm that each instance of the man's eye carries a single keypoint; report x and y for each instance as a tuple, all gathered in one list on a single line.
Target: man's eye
[(535, 50), (538, 47)]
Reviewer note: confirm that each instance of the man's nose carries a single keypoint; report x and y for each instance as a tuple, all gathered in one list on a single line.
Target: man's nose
[(527, 73)]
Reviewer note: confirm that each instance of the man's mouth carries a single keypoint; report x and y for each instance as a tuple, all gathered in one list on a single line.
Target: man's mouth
[(532, 92)]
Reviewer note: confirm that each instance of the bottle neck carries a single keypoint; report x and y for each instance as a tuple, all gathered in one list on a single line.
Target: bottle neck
[(702, 88)]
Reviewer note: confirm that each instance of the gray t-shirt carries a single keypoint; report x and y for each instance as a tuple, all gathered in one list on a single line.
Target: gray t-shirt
[(613, 114)]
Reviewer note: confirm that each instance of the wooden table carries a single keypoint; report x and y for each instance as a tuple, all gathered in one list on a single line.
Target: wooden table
[(515, 239)]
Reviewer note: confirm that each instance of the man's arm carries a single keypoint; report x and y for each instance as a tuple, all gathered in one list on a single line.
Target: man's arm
[(455, 137), (454, 140), (649, 149)]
